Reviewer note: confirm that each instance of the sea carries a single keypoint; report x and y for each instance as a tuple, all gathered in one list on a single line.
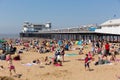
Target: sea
[(9, 36)]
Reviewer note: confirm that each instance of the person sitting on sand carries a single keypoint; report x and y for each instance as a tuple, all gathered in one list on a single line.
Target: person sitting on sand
[(37, 61), (113, 57), (112, 50), (41, 49), (47, 61), (57, 58), (16, 56), (47, 49), (102, 60), (3, 55), (8, 57), (106, 60), (81, 51), (20, 51)]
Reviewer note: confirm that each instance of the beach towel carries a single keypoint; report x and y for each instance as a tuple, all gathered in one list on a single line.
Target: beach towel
[(108, 64), (79, 42), (57, 65), (73, 54), (29, 64)]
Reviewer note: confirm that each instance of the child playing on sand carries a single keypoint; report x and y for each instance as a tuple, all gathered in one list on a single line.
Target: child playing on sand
[(47, 61), (57, 58), (8, 57), (87, 61), (81, 51), (11, 67)]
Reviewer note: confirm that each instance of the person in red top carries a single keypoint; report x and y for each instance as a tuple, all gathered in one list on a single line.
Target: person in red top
[(89, 55), (87, 61), (107, 47)]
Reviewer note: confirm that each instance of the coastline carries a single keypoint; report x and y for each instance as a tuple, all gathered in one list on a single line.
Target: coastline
[(9, 36)]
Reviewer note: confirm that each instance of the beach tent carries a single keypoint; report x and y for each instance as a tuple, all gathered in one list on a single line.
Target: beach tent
[(59, 42), (79, 42)]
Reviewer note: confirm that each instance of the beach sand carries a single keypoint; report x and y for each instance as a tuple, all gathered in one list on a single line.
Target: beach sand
[(72, 69)]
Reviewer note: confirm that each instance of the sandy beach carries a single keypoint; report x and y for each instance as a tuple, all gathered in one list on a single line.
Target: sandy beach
[(59, 39), (72, 68)]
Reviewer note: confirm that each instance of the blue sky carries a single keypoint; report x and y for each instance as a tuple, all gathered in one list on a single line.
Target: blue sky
[(61, 13)]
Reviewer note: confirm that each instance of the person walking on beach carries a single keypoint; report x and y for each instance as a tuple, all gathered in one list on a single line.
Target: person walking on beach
[(11, 67), (62, 53), (10, 64), (87, 61), (107, 48)]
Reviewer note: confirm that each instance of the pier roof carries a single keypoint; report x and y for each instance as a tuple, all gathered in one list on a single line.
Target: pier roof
[(111, 22)]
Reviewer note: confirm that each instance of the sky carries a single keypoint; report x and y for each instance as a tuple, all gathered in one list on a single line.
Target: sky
[(61, 13)]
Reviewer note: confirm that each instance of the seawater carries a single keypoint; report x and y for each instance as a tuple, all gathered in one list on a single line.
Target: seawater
[(9, 36)]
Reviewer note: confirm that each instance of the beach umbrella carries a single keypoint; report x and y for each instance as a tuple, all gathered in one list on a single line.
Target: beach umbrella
[(76, 42), (59, 42)]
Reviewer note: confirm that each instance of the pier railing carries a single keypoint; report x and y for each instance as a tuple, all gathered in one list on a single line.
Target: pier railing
[(73, 30)]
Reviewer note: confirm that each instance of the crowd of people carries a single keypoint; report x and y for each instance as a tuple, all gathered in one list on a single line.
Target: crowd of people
[(105, 51)]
